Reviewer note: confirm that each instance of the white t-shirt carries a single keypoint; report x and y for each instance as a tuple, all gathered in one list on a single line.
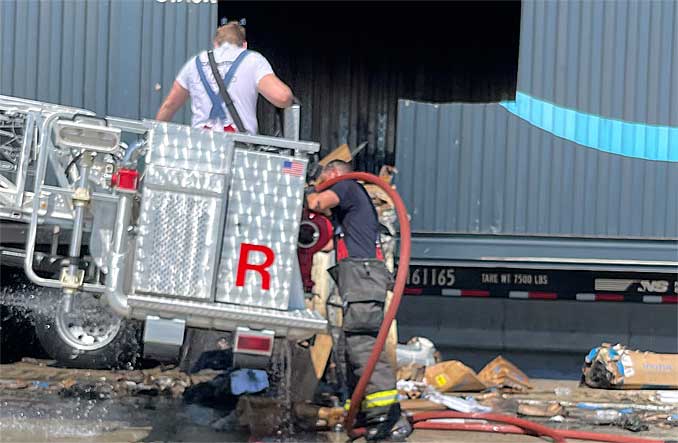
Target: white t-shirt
[(242, 89)]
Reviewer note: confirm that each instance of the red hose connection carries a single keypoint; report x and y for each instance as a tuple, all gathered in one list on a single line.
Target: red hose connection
[(507, 424)]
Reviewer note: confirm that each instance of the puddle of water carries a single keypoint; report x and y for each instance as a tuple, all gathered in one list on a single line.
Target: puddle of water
[(41, 417)]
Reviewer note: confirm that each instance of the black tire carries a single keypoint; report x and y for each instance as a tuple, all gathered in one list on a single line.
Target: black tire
[(29, 312), (123, 351), (17, 335)]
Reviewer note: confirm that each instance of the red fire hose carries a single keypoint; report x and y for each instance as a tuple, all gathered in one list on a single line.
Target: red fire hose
[(511, 425), (398, 288)]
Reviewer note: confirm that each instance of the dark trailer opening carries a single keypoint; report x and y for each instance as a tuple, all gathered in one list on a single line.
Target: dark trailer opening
[(350, 62)]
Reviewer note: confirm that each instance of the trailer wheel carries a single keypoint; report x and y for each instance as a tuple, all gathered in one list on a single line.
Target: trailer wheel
[(89, 336)]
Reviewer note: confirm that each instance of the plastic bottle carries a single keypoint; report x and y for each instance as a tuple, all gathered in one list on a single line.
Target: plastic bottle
[(606, 416)]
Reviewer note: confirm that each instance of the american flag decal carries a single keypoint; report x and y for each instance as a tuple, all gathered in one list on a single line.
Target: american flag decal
[(292, 167)]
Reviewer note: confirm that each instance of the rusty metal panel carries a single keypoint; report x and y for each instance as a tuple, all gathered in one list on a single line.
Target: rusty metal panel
[(112, 57), (480, 169)]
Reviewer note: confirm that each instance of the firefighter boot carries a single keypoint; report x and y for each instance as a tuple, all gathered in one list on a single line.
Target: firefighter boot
[(392, 426)]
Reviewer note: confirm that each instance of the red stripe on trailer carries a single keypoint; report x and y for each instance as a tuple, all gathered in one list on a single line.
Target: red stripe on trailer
[(669, 298), (474, 293), (413, 291), (542, 295), (609, 297)]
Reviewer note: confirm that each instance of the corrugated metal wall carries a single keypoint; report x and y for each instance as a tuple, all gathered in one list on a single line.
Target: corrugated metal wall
[(488, 171), (115, 57), (617, 59), (468, 168)]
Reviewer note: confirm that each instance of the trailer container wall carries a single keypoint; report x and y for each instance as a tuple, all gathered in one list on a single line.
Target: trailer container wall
[(113, 57), (588, 148), (479, 169), (615, 59), (552, 218)]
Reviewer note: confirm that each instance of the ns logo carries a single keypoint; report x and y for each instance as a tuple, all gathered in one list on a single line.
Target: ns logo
[(657, 286)]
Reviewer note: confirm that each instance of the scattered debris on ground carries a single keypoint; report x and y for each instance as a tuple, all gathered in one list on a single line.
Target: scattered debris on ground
[(617, 367), (502, 387), (417, 352), (499, 387), (32, 374), (455, 376), (545, 410)]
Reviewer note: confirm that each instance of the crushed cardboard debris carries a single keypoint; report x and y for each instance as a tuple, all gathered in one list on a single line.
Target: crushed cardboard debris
[(616, 367), (453, 375), (419, 405), (504, 374), (411, 372), (547, 410), (312, 417)]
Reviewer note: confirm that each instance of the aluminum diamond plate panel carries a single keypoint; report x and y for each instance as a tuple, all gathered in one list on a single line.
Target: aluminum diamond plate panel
[(176, 249), (180, 146), (182, 212), (265, 202)]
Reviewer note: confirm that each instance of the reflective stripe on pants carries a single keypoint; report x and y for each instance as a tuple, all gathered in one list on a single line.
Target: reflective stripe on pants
[(376, 400)]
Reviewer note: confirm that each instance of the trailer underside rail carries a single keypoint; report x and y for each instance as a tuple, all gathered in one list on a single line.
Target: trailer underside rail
[(541, 252)]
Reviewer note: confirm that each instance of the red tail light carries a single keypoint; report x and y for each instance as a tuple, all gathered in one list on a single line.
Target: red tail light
[(125, 179), (254, 342)]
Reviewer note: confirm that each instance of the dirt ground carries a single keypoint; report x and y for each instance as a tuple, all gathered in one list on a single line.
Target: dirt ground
[(41, 403)]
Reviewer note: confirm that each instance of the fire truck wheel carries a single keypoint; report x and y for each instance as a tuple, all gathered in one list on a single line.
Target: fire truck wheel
[(89, 336)]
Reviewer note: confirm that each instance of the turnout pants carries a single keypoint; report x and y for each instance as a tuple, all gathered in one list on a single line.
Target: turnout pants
[(362, 285)]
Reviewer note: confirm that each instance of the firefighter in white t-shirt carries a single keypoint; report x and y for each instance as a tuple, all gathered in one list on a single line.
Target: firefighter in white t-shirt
[(245, 75)]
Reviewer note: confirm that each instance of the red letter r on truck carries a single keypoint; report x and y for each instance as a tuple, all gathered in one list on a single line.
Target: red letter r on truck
[(244, 265)]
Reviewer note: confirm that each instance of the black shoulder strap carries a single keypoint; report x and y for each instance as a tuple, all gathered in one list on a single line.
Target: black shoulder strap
[(224, 94)]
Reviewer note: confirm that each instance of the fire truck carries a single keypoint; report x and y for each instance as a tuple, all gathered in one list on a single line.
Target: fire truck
[(126, 223)]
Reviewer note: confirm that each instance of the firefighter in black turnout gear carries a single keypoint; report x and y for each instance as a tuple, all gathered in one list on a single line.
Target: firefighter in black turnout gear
[(363, 282)]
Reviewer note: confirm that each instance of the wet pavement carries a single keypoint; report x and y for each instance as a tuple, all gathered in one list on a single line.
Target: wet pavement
[(43, 403)]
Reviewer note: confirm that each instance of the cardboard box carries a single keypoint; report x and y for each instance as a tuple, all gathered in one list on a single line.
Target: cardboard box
[(615, 367), (503, 373), (454, 376)]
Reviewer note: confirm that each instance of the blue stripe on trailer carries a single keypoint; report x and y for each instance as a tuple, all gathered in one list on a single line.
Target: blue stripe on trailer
[(639, 140)]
